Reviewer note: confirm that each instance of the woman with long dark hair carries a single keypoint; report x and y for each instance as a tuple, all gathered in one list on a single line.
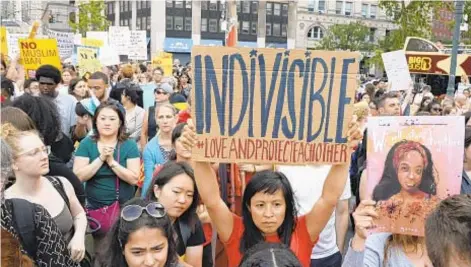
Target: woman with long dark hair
[(78, 88), (175, 187), (142, 236), (269, 210), (184, 85), (108, 161)]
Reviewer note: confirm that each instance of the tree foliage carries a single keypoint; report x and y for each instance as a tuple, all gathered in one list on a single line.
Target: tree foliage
[(90, 17), (351, 37)]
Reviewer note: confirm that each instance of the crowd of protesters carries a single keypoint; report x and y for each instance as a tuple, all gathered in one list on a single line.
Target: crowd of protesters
[(97, 170)]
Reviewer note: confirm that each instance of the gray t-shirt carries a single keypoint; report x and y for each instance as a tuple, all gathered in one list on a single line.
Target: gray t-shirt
[(66, 107)]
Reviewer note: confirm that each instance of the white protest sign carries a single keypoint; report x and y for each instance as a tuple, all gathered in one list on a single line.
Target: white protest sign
[(119, 38), (65, 42), (13, 45), (103, 36), (138, 46), (395, 64), (108, 56)]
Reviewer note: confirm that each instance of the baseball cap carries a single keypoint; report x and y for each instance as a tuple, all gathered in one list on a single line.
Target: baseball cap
[(164, 87)]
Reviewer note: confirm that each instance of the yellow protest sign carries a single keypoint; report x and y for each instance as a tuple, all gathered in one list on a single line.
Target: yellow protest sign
[(4, 43), (272, 106), (37, 52), (92, 42), (87, 59), (165, 61), (34, 30)]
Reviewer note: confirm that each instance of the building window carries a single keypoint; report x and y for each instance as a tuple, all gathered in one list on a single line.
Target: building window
[(348, 8), (238, 6), (254, 7), (372, 34), (168, 3), (245, 27), (276, 29), (338, 7), (204, 25), (121, 6), (178, 23), (188, 4), (213, 5), (321, 6), (213, 25), (169, 22), (315, 33), (311, 5), (246, 7), (254, 28), (276, 10), (269, 8), (284, 10), (129, 7), (268, 33), (178, 4), (283, 30), (148, 23), (138, 4), (138, 24), (364, 10), (204, 5), (188, 24), (373, 11)]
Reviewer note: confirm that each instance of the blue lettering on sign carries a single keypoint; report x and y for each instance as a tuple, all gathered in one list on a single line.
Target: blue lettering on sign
[(281, 98), (332, 76), (220, 99), (302, 109), (297, 63), (253, 63), (316, 96), (343, 100), (245, 92), (199, 96), (267, 101)]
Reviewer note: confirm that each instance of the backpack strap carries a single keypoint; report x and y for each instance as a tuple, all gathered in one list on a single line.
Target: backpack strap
[(59, 186), (185, 231), (23, 220)]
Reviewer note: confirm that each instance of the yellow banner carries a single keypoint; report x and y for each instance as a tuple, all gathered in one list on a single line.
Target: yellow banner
[(4, 43), (87, 59), (165, 61), (38, 52), (92, 42)]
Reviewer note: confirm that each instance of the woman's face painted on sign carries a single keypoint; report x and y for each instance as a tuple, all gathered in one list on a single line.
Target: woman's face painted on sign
[(410, 170)]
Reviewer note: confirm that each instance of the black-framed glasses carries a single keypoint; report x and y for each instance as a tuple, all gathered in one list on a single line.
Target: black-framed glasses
[(133, 212)]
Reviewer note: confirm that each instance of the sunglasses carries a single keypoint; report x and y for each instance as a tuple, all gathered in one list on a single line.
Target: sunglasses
[(133, 212), (161, 92), (437, 109)]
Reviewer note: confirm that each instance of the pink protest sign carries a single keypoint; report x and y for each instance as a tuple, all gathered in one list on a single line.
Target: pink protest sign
[(413, 163)]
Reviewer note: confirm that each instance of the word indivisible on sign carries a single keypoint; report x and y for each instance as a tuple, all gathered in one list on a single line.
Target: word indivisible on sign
[(37, 52), (272, 105)]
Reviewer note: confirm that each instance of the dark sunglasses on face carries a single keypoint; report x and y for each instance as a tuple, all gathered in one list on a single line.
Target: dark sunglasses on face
[(161, 92), (133, 212), (437, 109)]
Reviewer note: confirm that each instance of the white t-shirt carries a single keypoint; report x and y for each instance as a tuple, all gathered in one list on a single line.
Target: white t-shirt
[(66, 107), (307, 182)]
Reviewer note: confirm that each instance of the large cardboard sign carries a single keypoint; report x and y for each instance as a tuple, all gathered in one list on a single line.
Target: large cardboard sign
[(37, 52), (138, 46), (413, 163), (272, 105), (88, 59), (163, 60), (65, 42), (397, 69)]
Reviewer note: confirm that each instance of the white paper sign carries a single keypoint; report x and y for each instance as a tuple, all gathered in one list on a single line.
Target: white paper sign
[(395, 64), (119, 38), (14, 46), (65, 42), (108, 56), (138, 46)]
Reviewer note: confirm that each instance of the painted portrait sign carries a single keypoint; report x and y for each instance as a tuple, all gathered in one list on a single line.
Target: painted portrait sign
[(272, 105), (413, 163)]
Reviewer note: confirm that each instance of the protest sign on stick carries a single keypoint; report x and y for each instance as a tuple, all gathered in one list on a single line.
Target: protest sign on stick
[(138, 46), (272, 105), (65, 42), (163, 60), (119, 38), (413, 163), (37, 52)]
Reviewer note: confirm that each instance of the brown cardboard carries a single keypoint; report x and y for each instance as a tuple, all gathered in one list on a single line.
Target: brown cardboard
[(257, 140)]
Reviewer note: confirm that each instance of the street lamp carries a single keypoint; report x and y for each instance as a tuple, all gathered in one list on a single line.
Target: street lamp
[(456, 38)]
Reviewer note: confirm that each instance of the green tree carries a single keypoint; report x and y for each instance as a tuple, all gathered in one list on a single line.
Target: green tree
[(90, 17), (412, 18), (353, 37)]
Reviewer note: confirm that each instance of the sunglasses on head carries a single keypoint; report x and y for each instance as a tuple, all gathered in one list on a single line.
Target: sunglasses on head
[(133, 212)]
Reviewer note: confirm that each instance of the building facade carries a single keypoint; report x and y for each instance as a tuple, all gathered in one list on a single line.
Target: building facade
[(189, 23), (441, 30), (314, 17)]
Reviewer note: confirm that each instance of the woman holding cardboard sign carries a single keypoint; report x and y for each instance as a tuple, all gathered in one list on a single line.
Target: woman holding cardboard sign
[(269, 209)]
